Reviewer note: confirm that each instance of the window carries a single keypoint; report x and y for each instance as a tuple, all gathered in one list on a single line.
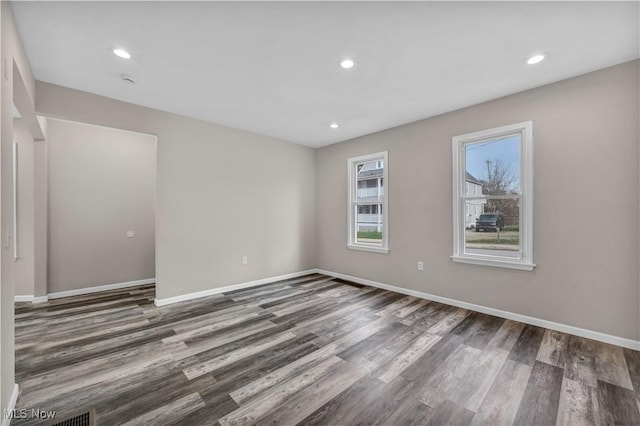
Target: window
[(493, 176), (368, 209), (368, 213)]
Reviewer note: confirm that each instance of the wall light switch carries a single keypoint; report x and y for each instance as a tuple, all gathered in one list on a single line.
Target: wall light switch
[(131, 234), (420, 266), (245, 260)]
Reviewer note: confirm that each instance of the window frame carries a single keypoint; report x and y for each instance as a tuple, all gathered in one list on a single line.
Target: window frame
[(352, 182), (525, 262)]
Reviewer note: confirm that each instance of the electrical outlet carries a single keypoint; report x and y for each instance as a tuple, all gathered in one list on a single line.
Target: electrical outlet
[(245, 260), (131, 234), (420, 266)]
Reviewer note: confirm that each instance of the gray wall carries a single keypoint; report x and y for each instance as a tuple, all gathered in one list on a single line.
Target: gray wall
[(102, 183), (41, 214), (12, 52), (221, 194), (25, 266), (585, 213)]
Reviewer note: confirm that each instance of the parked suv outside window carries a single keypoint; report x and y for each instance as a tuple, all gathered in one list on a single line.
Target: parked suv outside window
[(490, 222)]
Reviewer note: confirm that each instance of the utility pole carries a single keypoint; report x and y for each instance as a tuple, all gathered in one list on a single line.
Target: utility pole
[(489, 169), (489, 183)]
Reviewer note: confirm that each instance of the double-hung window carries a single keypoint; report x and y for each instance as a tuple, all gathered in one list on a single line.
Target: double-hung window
[(368, 216), (493, 197)]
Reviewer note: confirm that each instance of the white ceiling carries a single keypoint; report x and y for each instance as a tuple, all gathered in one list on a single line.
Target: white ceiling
[(272, 68)]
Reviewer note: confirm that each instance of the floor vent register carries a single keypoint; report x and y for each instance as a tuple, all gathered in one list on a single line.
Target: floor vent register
[(85, 419)]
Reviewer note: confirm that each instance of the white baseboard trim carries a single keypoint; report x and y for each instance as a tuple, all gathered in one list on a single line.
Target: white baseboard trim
[(98, 288), (12, 405), (239, 286), (40, 299), (576, 331), (30, 298)]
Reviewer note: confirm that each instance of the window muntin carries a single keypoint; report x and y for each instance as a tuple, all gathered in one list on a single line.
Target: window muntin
[(493, 180), (368, 229)]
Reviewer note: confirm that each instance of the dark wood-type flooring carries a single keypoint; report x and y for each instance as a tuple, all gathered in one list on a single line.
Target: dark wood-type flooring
[(311, 350)]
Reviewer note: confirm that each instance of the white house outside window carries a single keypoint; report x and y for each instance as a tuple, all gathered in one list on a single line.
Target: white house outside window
[(368, 213), (493, 197)]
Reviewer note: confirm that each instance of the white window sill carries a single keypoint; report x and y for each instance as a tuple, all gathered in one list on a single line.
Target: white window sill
[(498, 263), (362, 247)]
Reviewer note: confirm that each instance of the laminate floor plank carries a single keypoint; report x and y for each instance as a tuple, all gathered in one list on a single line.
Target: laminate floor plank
[(270, 287), (174, 410), (299, 316), (371, 344), (350, 283), (262, 360), (245, 371), (580, 361), (617, 405), (525, 350), (633, 363), (44, 362), (419, 313), (79, 370), (225, 341), (478, 329), (278, 296), (407, 357), (434, 312), (578, 404), (449, 413), (207, 415), (323, 293), (426, 365), (309, 325), (553, 348), (397, 306), (264, 403), (299, 366), (449, 322), (73, 397), (446, 382), (410, 308), (339, 327), (391, 397), (347, 405), (539, 404), (501, 403), (476, 383), (136, 400), (221, 323), (63, 327), (223, 360), (407, 410), (27, 325), (310, 350), (303, 403), (611, 365)]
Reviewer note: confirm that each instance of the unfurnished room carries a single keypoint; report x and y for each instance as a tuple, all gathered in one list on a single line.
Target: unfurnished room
[(320, 213)]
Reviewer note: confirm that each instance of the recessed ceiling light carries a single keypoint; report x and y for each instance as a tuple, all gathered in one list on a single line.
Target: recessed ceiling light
[(122, 53), (535, 59), (334, 125), (347, 63)]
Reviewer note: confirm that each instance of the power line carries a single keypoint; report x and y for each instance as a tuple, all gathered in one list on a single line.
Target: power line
[(481, 145)]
